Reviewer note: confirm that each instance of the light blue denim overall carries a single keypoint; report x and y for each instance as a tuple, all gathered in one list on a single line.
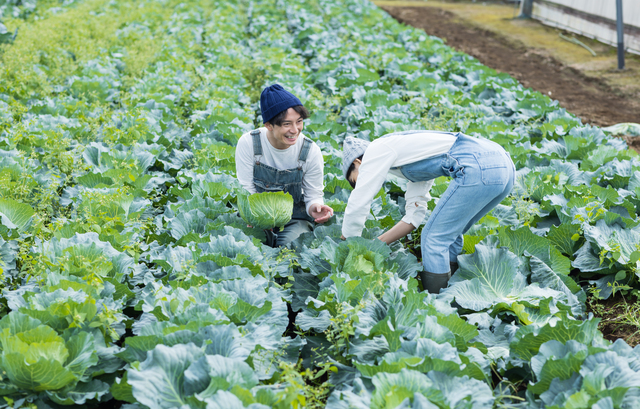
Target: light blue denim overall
[(270, 179), (483, 174)]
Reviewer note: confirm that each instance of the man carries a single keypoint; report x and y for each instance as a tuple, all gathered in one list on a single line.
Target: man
[(278, 157), (482, 172)]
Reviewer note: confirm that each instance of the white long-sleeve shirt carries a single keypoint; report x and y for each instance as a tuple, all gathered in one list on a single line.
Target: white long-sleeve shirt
[(282, 159), (382, 155)]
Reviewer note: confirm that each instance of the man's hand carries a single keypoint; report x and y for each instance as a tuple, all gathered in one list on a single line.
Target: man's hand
[(320, 212)]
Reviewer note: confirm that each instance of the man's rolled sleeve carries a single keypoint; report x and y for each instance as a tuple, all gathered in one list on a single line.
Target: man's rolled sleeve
[(244, 163), (313, 180)]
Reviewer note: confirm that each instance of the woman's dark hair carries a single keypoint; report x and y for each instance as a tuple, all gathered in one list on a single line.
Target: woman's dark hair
[(278, 119), (351, 169)]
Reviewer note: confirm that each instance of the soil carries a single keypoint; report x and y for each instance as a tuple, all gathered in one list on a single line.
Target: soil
[(591, 99), (620, 318)]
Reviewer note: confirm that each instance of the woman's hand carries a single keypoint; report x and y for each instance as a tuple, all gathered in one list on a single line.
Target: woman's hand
[(398, 231), (320, 212)]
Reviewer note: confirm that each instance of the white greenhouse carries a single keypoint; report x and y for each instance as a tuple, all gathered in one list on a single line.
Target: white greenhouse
[(592, 18)]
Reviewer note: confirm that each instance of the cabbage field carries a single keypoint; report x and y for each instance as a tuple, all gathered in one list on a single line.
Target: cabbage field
[(130, 280)]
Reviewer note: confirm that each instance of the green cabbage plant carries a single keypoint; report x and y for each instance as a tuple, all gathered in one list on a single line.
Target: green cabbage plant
[(35, 358), (265, 210)]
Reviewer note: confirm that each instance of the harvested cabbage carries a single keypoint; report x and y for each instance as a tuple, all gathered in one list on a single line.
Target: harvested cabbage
[(266, 210)]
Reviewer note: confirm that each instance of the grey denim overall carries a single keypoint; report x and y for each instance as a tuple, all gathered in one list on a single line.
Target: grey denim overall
[(270, 179)]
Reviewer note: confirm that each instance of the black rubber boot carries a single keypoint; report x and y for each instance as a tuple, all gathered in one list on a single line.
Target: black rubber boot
[(453, 267), (433, 283)]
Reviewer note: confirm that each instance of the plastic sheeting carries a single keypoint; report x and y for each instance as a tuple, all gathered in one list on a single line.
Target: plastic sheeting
[(592, 18)]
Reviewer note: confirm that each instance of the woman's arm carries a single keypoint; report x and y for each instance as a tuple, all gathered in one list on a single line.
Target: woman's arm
[(400, 230), (372, 173)]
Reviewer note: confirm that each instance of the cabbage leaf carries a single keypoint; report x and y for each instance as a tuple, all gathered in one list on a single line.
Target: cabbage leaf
[(266, 210)]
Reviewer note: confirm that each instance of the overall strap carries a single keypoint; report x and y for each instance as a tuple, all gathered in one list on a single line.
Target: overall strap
[(257, 145), (304, 152)]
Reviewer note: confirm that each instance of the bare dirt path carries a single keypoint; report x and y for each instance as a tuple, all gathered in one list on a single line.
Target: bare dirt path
[(591, 99)]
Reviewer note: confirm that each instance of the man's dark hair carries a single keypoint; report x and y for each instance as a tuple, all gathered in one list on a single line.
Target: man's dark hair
[(351, 169), (278, 119)]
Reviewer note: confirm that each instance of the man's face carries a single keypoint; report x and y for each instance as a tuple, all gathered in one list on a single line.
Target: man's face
[(286, 134)]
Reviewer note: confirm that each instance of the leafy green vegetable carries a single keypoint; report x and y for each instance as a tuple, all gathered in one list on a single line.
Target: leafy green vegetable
[(266, 210), (161, 381), (37, 359), (129, 277), (15, 215)]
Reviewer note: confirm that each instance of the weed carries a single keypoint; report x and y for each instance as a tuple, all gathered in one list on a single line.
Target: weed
[(304, 388), (341, 329), (526, 209)]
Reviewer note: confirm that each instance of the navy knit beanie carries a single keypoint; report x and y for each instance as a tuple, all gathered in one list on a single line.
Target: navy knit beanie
[(274, 99)]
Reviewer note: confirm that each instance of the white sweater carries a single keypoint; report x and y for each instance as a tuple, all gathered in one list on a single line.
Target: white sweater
[(383, 154), (282, 159)]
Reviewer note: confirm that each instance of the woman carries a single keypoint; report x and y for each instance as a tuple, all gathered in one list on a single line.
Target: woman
[(482, 175)]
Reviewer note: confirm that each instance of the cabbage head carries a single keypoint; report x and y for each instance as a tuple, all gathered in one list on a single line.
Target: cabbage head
[(265, 210), (35, 358)]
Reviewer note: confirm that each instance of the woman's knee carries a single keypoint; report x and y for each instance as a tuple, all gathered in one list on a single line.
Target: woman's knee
[(437, 243)]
